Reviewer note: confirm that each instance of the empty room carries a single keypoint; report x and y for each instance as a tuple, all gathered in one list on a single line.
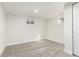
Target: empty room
[(39, 29)]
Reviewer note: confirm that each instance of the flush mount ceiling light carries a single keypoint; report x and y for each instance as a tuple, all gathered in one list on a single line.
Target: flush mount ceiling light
[(35, 11)]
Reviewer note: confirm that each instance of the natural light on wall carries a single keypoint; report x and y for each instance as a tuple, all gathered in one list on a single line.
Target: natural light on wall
[(38, 38), (58, 21)]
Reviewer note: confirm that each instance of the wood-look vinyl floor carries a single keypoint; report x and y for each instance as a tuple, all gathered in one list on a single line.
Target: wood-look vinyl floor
[(43, 48)]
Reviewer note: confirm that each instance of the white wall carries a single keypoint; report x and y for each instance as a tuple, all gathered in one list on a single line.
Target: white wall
[(55, 32), (68, 28), (2, 30), (17, 31)]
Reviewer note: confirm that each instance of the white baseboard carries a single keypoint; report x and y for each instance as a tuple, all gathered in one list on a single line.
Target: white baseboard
[(18, 43), (1, 50), (56, 41), (59, 42), (68, 51)]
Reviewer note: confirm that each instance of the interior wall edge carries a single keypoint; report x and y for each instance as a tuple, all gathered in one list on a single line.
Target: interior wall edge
[(2, 30), (1, 50)]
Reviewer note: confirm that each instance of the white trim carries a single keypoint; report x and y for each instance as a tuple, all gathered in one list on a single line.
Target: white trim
[(18, 43), (56, 41), (68, 51), (59, 41)]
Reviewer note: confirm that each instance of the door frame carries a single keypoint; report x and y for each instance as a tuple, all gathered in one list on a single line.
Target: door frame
[(73, 31)]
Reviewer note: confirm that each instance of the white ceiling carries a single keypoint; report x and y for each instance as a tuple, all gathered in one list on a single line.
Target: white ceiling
[(45, 9)]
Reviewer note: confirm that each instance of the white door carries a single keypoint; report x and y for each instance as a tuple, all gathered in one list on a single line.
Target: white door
[(76, 28)]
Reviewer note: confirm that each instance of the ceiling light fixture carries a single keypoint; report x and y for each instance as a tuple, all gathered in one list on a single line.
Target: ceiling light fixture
[(30, 21), (35, 11)]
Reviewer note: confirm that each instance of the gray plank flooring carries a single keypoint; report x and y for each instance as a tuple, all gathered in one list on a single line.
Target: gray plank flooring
[(43, 48)]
